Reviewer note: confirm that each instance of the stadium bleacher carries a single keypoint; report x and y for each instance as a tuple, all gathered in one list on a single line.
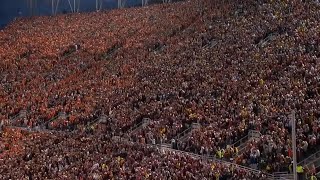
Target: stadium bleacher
[(199, 75)]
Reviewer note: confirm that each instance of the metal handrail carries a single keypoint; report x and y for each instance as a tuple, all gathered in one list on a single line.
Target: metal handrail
[(248, 137), (308, 158), (253, 132), (312, 162), (213, 158), (145, 120), (14, 117), (17, 115), (195, 125), (38, 130), (138, 125), (240, 140), (93, 122), (183, 133), (218, 160), (54, 118), (269, 176), (282, 175)]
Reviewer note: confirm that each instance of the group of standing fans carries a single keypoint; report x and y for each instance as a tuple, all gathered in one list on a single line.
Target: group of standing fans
[(229, 67)]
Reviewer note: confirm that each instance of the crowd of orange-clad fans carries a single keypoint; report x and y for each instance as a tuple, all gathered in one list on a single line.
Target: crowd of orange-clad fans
[(230, 67)]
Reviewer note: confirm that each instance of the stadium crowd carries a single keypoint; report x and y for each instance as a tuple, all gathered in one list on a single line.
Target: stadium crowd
[(231, 67), (81, 156)]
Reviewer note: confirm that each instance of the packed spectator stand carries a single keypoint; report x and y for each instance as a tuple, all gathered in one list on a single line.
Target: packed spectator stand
[(199, 75)]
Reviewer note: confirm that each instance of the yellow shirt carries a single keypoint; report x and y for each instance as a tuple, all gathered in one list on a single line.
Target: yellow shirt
[(299, 169)]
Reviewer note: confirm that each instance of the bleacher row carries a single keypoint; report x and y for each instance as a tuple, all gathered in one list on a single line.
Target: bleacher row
[(168, 149), (207, 71)]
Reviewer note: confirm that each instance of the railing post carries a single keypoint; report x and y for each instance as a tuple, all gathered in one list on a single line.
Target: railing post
[(195, 126), (145, 122), (23, 114), (62, 115), (1, 125), (253, 134), (294, 141), (103, 119)]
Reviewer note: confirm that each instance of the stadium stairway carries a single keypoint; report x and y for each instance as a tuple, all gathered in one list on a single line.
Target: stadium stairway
[(242, 143), (313, 161), (164, 149), (181, 137), (101, 119), (37, 130), (48, 124), (17, 119), (138, 126)]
